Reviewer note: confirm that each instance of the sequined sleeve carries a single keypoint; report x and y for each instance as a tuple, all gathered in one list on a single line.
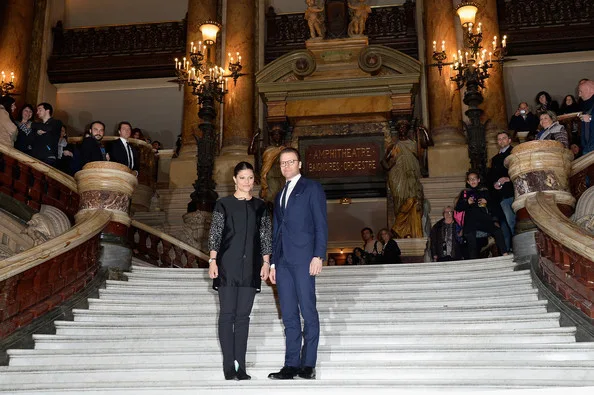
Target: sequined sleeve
[(216, 230), (266, 234)]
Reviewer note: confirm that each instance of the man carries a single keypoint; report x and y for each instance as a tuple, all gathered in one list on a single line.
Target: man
[(300, 237), (91, 149), (121, 151), (8, 129), (47, 134), (586, 93), (523, 120), (498, 177), (444, 243)]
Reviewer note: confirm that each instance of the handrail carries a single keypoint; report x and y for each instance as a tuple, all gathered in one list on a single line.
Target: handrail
[(184, 255), (582, 163), (63, 243), (566, 253), (550, 220), (48, 170)]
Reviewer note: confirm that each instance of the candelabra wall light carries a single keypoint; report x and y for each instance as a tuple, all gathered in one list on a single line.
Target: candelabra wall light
[(6, 86), (471, 66), (209, 83)]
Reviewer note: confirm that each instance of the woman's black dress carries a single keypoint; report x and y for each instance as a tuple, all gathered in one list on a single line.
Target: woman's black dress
[(241, 233)]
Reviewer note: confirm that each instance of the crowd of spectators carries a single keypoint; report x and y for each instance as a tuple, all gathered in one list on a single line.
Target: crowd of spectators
[(46, 138)]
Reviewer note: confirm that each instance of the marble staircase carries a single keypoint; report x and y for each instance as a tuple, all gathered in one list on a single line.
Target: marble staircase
[(471, 326)]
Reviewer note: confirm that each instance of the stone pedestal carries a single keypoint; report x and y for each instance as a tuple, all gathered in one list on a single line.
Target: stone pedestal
[(108, 186), (448, 160), (540, 166)]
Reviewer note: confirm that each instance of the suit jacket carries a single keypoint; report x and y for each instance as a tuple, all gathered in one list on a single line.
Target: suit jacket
[(45, 146), (117, 153), (300, 231), (497, 171), (90, 151)]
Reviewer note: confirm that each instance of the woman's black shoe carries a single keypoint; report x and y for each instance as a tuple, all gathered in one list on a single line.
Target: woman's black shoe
[(231, 375)]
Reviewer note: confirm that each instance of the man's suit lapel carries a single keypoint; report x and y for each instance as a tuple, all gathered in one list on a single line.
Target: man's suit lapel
[(297, 191)]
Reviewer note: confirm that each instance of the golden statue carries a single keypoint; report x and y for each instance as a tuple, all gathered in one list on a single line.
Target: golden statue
[(404, 174), (359, 15), (271, 178), (315, 19)]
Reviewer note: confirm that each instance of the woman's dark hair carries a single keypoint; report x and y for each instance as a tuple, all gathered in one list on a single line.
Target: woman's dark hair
[(242, 166), (29, 106), (573, 107), (546, 95)]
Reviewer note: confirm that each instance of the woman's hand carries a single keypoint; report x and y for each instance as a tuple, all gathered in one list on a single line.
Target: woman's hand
[(213, 270), (265, 271), (471, 200), (482, 201)]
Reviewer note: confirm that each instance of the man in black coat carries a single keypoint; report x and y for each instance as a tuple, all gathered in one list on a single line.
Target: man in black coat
[(498, 177), (47, 134), (91, 149), (121, 151)]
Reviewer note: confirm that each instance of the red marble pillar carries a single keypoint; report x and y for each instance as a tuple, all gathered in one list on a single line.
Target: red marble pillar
[(16, 29)]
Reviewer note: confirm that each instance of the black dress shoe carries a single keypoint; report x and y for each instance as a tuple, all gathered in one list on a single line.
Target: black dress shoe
[(286, 373), (307, 373), (230, 375), (242, 375)]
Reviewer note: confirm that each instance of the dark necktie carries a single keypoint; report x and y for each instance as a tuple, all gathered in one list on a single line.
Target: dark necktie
[(130, 157), (285, 190)]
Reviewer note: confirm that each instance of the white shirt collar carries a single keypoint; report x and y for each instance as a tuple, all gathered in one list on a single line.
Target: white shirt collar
[(295, 179), (124, 141)]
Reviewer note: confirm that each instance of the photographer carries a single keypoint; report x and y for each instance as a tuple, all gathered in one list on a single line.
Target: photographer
[(474, 201)]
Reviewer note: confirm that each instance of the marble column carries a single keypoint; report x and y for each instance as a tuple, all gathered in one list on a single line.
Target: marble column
[(183, 168), (238, 112), (494, 92), (16, 29), (108, 186), (449, 156)]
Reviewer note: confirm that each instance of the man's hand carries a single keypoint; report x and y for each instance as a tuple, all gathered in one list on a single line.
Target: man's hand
[(272, 275), (586, 118), (315, 266)]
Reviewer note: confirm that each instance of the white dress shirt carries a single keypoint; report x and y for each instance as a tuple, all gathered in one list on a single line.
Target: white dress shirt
[(291, 187)]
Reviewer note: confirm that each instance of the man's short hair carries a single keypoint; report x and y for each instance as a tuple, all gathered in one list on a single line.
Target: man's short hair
[(366, 228), (94, 122), (124, 123), (289, 150), (47, 106), (506, 132)]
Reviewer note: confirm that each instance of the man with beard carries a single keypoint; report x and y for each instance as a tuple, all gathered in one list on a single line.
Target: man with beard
[(91, 149), (586, 92)]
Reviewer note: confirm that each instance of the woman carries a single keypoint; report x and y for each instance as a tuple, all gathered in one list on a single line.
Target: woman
[(349, 260), (65, 153), (552, 129), (8, 129), (545, 103), (25, 136), (359, 256), (474, 201), (391, 252), (569, 105), (240, 245)]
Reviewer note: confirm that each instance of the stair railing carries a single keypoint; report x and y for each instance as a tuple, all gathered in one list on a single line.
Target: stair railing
[(581, 169), (566, 253)]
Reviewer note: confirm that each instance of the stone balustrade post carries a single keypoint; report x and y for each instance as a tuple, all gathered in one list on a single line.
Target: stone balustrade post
[(108, 186), (540, 166)]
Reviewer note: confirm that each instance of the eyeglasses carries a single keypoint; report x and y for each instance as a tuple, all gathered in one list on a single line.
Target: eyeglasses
[(448, 212), (289, 162)]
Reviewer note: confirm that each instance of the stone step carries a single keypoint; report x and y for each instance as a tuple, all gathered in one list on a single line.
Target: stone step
[(580, 371), (356, 324), (329, 330), (365, 316), (258, 355), (259, 306), (486, 386), (354, 301), (165, 340)]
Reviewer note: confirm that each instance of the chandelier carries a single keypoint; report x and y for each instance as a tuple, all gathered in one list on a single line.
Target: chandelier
[(6, 86), (473, 62)]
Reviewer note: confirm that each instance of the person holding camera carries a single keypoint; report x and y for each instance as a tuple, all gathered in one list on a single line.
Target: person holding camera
[(523, 120), (474, 201)]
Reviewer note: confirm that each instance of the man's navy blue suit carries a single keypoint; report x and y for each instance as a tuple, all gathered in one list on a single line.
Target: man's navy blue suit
[(300, 232)]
